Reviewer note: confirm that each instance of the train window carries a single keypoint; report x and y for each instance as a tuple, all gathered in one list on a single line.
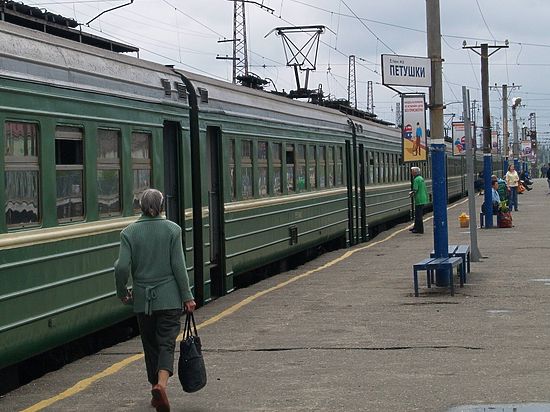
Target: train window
[(141, 165), (370, 163), (108, 172), (290, 168), (69, 161), (246, 169), (232, 176), (322, 167), (331, 171), (383, 165), (21, 173), (262, 151), (339, 166), (262, 169), (382, 177), (312, 166), (388, 163), (387, 171), (375, 167), (277, 169), (300, 167)]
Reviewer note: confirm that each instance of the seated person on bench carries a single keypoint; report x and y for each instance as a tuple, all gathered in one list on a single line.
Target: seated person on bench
[(496, 196)]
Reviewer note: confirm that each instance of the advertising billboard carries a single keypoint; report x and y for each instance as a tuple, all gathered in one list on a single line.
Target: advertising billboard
[(459, 138), (406, 71), (414, 143), (494, 142)]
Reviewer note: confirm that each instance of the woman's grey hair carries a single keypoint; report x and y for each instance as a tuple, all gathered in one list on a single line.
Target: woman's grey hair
[(151, 202), (415, 169)]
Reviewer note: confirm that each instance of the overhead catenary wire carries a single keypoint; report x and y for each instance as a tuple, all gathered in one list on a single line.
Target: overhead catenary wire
[(368, 28), (484, 21), (335, 49), (194, 19)]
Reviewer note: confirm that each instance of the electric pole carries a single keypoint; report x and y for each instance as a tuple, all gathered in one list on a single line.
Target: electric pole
[(505, 130), (487, 167), (533, 136), (475, 254), (505, 134), (370, 97), (240, 49), (398, 119), (437, 148), (352, 83)]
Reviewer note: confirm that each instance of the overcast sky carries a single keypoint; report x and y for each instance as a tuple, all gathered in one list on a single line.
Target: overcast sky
[(186, 33)]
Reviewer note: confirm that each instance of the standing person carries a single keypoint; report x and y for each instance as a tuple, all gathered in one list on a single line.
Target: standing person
[(420, 199), (548, 176), (417, 140), (151, 252), (512, 182)]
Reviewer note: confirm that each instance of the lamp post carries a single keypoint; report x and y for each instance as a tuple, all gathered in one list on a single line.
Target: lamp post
[(515, 146)]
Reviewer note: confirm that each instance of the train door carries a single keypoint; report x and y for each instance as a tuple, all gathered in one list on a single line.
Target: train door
[(215, 204), (350, 186), (362, 193), (172, 193)]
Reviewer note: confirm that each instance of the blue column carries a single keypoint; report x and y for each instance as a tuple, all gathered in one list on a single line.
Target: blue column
[(516, 164), (439, 189), (504, 166), (488, 198)]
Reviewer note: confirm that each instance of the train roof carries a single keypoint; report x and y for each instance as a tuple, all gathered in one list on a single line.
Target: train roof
[(244, 101), (36, 56), (42, 20)]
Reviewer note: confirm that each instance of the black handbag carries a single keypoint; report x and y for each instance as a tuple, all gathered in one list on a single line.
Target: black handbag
[(191, 369)]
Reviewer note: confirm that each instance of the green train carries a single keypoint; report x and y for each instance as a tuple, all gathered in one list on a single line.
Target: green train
[(253, 178)]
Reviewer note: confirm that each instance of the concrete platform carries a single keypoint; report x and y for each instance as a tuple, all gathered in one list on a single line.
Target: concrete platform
[(345, 333)]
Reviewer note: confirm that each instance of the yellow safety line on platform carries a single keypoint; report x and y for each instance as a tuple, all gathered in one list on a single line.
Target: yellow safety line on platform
[(83, 384)]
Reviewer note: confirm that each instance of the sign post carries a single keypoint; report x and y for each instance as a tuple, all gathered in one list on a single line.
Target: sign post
[(475, 254), (439, 172)]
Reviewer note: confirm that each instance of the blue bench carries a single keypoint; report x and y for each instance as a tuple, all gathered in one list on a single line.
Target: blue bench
[(462, 251), (432, 264)]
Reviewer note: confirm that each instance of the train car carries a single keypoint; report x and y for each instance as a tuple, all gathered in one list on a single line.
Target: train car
[(83, 132), (272, 180), (253, 178)]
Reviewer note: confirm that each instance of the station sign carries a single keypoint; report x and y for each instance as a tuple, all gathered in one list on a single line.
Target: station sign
[(459, 138), (406, 71), (414, 144)]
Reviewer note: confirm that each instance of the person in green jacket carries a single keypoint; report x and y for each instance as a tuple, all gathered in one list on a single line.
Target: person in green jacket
[(151, 253), (420, 199)]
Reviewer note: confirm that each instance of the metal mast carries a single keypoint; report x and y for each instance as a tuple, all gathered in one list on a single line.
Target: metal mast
[(240, 51), (352, 83), (370, 97), (533, 136)]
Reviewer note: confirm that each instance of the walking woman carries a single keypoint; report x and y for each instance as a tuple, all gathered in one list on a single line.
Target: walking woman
[(151, 252), (512, 181)]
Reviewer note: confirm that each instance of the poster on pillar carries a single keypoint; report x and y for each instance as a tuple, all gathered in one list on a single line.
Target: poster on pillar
[(494, 142), (414, 142), (459, 138), (526, 150)]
